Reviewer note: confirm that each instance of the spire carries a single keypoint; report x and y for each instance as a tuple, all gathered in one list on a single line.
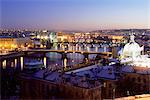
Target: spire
[(132, 37)]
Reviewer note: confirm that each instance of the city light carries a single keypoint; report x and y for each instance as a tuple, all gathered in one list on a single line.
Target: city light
[(75, 50), (46, 37), (38, 36)]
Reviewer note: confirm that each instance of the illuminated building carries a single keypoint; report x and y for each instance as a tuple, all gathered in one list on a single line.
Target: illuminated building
[(10, 43), (116, 39), (65, 37), (131, 54), (52, 36), (46, 35)]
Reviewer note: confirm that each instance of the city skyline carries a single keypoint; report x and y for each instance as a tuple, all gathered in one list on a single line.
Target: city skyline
[(75, 14)]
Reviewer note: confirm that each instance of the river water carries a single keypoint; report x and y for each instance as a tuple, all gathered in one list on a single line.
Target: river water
[(54, 59)]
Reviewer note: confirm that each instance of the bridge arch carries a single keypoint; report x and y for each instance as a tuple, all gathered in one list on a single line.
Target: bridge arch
[(53, 54), (75, 55)]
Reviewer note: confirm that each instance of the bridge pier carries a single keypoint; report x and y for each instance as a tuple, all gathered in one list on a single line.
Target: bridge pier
[(114, 52), (45, 61), (64, 56), (10, 63), (86, 57), (13, 63), (1, 63), (18, 67)]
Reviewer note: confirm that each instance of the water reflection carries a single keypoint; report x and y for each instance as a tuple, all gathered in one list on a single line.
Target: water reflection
[(4, 64), (65, 63), (44, 61), (54, 59), (15, 63), (22, 62)]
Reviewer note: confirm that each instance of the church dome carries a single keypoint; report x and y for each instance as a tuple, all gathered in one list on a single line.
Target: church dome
[(131, 49)]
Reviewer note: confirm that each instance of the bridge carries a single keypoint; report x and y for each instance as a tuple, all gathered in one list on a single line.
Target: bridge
[(63, 52), (10, 57), (66, 51)]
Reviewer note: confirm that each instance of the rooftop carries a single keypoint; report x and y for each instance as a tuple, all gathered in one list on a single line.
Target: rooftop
[(96, 72), (88, 77), (59, 78), (136, 69)]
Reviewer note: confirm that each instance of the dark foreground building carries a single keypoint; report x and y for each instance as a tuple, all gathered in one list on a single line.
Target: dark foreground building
[(93, 82)]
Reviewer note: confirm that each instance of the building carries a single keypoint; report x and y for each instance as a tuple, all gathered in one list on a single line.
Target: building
[(133, 81), (45, 39), (52, 84), (132, 54), (92, 82), (10, 43), (135, 69), (83, 37), (65, 37), (136, 97), (117, 78)]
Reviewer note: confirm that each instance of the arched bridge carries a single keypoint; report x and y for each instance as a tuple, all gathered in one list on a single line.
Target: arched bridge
[(64, 52)]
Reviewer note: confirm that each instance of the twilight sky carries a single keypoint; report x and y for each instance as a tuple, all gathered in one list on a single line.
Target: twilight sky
[(75, 14)]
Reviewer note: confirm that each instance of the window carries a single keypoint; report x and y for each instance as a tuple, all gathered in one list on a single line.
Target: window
[(110, 85), (144, 80), (47, 89), (43, 88), (128, 78), (110, 93), (133, 79), (139, 79)]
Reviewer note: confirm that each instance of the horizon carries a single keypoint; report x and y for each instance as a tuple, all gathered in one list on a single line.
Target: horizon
[(79, 15)]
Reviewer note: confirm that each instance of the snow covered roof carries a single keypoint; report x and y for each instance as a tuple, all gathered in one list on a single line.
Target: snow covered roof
[(90, 76), (59, 78), (135, 69), (96, 72)]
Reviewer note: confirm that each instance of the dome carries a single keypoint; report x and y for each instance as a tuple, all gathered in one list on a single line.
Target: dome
[(131, 55), (131, 49)]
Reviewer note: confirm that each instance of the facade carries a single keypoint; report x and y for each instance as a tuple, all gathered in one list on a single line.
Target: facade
[(45, 39), (136, 97), (117, 38), (41, 87), (92, 82), (47, 35), (53, 37), (10, 43), (65, 37), (83, 37), (73, 84), (134, 81)]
